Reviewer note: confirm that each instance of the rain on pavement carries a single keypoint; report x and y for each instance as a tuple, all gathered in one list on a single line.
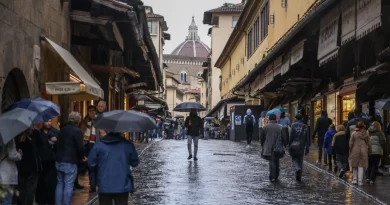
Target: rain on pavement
[(229, 173)]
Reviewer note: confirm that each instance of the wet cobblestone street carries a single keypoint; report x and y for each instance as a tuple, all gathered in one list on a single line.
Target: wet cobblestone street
[(229, 173)]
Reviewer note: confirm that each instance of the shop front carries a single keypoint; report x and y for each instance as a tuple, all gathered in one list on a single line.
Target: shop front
[(78, 87), (316, 111)]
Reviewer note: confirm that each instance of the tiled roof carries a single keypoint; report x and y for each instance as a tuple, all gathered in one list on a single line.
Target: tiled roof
[(192, 48), (152, 15), (228, 7)]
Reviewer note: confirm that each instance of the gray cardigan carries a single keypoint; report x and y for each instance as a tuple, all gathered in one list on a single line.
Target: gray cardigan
[(8, 169), (271, 132)]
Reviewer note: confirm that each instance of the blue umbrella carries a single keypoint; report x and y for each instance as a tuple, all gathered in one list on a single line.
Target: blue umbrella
[(13, 123), (45, 109), (276, 111)]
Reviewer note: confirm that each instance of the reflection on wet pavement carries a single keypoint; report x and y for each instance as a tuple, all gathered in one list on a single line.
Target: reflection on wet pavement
[(229, 173)]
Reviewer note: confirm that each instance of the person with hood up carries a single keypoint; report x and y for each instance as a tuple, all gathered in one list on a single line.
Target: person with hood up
[(268, 140), (378, 141), (111, 158), (328, 146), (359, 149), (321, 128), (194, 125), (299, 144), (249, 122), (340, 149)]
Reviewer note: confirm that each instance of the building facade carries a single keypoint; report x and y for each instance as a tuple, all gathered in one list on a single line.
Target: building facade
[(185, 68), (223, 20)]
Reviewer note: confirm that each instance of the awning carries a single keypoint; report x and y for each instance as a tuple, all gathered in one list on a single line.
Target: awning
[(86, 89), (329, 57)]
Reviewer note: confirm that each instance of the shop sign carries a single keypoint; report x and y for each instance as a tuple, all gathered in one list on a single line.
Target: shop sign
[(94, 91), (297, 52), (368, 17), (269, 77), (59, 88), (327, 42), (348, 21), (285, 67)]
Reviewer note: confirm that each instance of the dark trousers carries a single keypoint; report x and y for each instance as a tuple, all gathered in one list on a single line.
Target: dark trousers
[(330, 158), (91, 172), (342, 162), (47, 183), (109, 199), (249, 133), (373, 163), (321, 151), (27, 188), (274, 167)]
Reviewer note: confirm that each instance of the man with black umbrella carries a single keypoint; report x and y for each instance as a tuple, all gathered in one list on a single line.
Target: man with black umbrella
[(193, 125)]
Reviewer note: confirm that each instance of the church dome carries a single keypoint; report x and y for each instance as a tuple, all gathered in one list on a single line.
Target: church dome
[(192, 46)]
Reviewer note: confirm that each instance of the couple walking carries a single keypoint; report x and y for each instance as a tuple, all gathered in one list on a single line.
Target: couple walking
[(274, 138)]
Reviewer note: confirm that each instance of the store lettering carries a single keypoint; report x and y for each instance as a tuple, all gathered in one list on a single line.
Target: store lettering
[(328, 31), (62, 89), (363, 3)]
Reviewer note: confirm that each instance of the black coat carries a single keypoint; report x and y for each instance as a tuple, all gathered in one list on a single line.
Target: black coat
[(31, 161), (47, 151), (70, 145), (321, 128)]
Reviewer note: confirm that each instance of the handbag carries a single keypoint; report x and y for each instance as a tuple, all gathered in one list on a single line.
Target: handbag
[(278, 149), (295, 148)]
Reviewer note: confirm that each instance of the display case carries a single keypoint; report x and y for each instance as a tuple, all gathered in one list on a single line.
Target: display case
[(348, 105), (317, 107)]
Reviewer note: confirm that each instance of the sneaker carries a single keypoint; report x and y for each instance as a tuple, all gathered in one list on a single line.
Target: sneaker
[(195, 159), (248, 146), (189, 157), (354, 183), (372, 182), (342, 173), (273, 180), (318, 162), (360, 184), (298, 175)]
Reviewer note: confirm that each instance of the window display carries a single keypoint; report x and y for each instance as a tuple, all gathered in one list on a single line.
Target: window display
[(317, 107), (331, 107), (348, 105)]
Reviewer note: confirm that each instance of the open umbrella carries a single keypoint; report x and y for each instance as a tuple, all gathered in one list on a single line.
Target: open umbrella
[(276, 111), (125, 121), (45, 109), (188, 106), (209, 118), (14, 122), (179, 116), (383, 104)]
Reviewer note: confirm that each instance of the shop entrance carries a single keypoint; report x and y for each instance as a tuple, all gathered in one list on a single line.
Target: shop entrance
[(15, 88)]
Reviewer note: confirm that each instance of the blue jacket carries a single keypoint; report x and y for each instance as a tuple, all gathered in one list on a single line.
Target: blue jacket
[(300, 132), (328, 140), (111, 158)]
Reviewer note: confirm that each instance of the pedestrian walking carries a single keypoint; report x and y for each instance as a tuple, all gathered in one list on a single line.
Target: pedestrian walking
[(249, 122), (284, 122), (206, 129), (328, 146), (269, 141), (299, 144), (193, 124), (359, 149), (70, 151), (340, 149), (47, 181), (378, 141), (29, 142), (90, 138), (111, 159), (261, 122), (321, 128), (9, 170)]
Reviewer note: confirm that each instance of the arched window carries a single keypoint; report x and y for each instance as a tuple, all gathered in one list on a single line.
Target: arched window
[(183, 76)]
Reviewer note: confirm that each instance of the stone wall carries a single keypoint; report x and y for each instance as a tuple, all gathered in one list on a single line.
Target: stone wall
[(22, 22)]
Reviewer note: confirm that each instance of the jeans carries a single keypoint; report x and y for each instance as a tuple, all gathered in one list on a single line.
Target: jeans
[(189, 144), (119, 199), (249, 133), (342, 162), (27, 188), (66, 175), (297, 162), (373, 163), (274, 167), (7, 200)]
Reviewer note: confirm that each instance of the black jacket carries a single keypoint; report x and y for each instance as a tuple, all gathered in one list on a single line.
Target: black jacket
[(47, 151), (70, 145), (31, 160), (351, 124), (340, 144), (196, 126), (322, 126)]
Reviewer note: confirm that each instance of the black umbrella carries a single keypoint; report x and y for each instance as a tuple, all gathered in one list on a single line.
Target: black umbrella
[(125, 121), (383, 104), (209, 118), (179, 116), (188, 106)]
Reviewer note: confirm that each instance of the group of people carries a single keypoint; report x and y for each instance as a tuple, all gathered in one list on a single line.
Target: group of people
[(44, 164), (359, 144)]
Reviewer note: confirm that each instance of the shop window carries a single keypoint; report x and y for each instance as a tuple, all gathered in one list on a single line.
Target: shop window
[(348, 105), (331, 107), (317, 107)]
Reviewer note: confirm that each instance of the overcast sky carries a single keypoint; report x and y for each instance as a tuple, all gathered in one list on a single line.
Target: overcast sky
[(178, 14)]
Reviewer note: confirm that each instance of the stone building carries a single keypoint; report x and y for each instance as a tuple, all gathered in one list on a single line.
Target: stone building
[(185, 67)]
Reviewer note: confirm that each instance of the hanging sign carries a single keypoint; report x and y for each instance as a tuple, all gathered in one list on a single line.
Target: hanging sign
[(348, 21), (368, 17), (327, 44), (297, 52)]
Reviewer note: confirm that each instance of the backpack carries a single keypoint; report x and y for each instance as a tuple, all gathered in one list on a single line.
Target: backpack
[(278, 149), (249, 121)]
